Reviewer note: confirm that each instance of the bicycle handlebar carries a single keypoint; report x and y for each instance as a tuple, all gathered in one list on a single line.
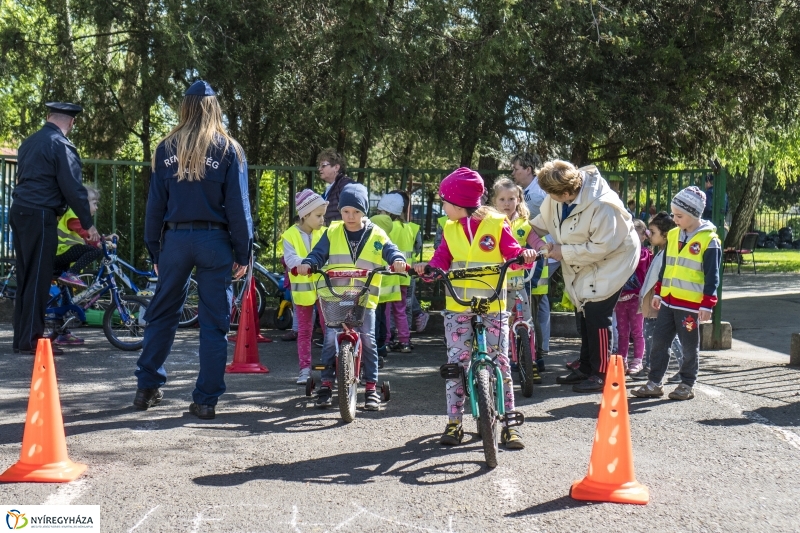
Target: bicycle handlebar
[(351, 273), (464, 273)]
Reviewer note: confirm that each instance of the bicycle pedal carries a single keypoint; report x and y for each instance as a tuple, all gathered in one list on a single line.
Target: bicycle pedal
[(450, 371), (513, 418), (321, 367)]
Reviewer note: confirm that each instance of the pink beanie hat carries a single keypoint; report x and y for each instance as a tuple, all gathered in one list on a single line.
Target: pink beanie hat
[(306, 201), (463, 188)]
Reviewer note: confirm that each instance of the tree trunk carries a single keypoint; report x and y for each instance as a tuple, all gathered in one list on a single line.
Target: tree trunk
[(580, 153), (747, 206), (64, 83), (363, 151)]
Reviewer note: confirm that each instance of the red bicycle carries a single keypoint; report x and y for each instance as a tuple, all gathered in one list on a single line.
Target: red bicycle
[(343, 307)]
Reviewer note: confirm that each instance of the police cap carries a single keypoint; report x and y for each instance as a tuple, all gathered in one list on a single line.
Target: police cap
[(200, 88), (64, 108)]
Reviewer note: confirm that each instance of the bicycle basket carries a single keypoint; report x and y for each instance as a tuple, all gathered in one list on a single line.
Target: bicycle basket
[(345, 306)]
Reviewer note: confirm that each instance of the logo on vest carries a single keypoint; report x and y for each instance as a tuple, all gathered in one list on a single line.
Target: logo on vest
[(694, 248), (521, 232), (689, 323), (378, 246), (487, 243)]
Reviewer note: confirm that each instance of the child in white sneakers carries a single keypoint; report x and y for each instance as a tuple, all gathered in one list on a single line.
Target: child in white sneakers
[(298, 241), (685, 293), (629, 319)]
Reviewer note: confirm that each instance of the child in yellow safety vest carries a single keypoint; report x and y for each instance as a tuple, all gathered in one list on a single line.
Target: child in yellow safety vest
[(74, 253), (354, 243), (473, 236), (508, 199), (685, 294), (298, 241), (404, 235)]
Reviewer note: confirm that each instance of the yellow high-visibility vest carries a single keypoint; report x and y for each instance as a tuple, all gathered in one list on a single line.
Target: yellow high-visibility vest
[(683, 274), (483, 251), (303, 287), (442, 220), (403, 235), (66, 237), (371, 257), (520, 228)]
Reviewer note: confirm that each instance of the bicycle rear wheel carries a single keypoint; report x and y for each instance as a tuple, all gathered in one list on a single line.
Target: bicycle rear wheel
[(126, 334), (190, 310), (238, 296), (487, 408), (524, 361), (346, 376)]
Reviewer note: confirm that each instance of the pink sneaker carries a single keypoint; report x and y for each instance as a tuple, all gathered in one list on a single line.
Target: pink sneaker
[(635, 367), (67, 278), (574, 365), (68, 338)]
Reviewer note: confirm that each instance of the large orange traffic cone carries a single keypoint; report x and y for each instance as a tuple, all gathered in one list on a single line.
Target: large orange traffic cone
[(44, 447), (611, 477), (257, 325), (245, 355)]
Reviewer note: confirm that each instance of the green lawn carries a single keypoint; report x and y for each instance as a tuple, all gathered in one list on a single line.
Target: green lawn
[(776, 260)]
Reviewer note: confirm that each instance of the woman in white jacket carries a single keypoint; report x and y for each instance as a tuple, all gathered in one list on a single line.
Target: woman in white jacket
[(598, 249)]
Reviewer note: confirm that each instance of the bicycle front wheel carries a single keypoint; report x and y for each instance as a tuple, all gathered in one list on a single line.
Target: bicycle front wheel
[(488, 414), (348, 385), (124, 324), (524, 361)]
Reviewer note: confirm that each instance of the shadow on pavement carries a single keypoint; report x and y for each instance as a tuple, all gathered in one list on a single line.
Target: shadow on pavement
[(408, 463), (559, 504)]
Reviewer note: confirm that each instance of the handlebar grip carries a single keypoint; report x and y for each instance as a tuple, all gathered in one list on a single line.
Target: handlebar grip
[(428, 270), (314, 270)]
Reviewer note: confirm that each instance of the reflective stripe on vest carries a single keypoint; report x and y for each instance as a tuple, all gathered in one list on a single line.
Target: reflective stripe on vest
[(371, 257), (543, 285), (403, 235), (520, 228), (303, 287), (66, 237), (684, 278), (483, 251)]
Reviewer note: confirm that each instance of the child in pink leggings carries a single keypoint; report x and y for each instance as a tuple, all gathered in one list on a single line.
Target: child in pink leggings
[(298, 241), (629, 319)]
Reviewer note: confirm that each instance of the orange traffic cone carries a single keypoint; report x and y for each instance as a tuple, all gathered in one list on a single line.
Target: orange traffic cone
[(259, 337), (44, 447), (245, 355), (611, 477)]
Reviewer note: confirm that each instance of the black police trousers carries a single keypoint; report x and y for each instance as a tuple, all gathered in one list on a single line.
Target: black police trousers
[(35, 242)]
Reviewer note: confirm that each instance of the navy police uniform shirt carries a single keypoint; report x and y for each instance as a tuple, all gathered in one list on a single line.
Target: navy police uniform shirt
[(221, 196), (49, 175)]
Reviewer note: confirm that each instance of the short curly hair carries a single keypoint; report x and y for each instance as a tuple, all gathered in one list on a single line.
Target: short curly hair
[(527, 160), (333, 157), (559, 177)]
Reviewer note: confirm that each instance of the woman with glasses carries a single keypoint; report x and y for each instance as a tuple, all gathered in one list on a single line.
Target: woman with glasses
[(332, 166)]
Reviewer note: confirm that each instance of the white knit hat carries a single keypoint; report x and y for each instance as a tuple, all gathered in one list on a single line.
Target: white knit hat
[(306, 201), (392, 203), (690, 200)]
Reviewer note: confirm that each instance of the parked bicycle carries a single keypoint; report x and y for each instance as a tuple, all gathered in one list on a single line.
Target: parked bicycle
[(344, 308), (483, 383), (123, 320)]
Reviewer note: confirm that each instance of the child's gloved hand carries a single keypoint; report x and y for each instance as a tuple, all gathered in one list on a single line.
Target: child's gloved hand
[(399, 266)]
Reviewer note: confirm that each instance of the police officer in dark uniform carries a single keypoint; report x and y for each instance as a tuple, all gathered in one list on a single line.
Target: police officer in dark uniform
[(48, 180), (198, 217)]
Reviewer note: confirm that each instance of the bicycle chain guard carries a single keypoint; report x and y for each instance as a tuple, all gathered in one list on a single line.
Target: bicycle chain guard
[(450, 371)]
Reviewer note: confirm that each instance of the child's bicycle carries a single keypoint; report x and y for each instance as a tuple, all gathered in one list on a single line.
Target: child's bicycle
[(123, 320), (522, 337), (344, 307), (483, 382)]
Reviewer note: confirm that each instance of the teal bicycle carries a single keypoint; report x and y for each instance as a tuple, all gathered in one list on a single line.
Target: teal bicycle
[(483, 382)]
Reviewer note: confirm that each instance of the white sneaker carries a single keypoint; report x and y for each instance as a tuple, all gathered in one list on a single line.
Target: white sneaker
[(305, 373), (421, 322)]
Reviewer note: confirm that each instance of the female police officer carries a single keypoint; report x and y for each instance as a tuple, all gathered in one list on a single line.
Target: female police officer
[(198, 216)]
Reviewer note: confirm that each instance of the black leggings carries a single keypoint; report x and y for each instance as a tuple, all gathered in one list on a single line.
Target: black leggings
[(81, 254)]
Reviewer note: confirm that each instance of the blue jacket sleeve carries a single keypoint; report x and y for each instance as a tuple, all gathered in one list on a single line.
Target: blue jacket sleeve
[(391, 253), (154, 215), (237, 209), (319, 255)]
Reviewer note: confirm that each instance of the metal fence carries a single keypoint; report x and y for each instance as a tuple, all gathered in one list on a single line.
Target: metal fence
[(650, 191), (771, 221)]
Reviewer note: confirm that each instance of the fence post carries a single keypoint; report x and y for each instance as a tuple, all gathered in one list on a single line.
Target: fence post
[(718, 219), (132, 240), (292, 192)]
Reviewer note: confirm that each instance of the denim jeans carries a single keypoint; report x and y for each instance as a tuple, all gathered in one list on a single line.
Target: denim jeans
[(677, 350)]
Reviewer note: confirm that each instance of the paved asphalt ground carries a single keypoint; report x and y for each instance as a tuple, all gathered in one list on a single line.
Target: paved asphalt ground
[(729, 460)]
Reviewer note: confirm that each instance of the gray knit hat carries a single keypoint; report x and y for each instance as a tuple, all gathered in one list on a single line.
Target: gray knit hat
[(690, 200)]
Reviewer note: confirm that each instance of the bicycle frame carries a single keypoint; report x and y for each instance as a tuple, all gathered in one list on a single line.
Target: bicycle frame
[(520, 321), (479, 359)]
